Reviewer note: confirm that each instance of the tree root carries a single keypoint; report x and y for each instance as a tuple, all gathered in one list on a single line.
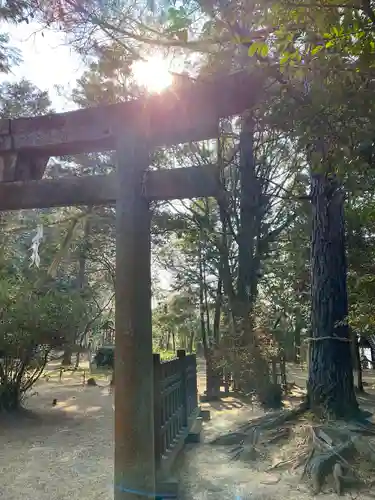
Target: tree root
[(338, 476), (230, 439), (274, 419), (325, 460), (270, 421), (340, 452)]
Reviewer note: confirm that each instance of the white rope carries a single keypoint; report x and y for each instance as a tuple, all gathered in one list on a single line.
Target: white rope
[(317, 339)]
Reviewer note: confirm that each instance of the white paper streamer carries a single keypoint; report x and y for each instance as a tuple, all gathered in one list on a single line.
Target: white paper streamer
[(36, 241)]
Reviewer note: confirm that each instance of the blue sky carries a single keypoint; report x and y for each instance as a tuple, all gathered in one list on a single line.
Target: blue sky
[(47, 60)]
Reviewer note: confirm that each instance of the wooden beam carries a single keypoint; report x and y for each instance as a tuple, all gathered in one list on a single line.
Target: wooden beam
[(60, 192), (178, 115), (22, 167), (182, 183), (134, 388), (179, 183)]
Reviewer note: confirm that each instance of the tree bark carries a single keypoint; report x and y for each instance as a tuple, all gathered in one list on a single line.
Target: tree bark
[(67, 357), (173, 341), (212, 388), (249, 240), (330, 382), (78, 359), (217, 313), (250, 225)]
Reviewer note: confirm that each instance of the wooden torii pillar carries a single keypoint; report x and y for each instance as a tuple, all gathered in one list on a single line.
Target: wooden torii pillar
[(134, 129), (134, 388)]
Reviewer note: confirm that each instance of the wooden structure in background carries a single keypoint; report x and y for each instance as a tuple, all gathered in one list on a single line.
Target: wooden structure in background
[(277, 371), (134, 129)]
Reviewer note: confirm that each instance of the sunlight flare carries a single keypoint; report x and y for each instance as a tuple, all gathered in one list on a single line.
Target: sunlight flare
[(154, 75)]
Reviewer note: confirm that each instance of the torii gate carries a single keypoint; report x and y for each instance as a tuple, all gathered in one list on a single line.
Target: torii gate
[(133, 129)]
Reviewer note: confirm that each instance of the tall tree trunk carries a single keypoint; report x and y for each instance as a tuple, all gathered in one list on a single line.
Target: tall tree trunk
[(78, 359), (330, 382), (249, 238), (168, 340), (217, 313), (173, 341), (67, 358), (250, 220), (191, 341), (203, 261), (212, 386)]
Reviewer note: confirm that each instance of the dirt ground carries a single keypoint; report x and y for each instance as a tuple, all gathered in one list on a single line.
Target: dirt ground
[(208, 473), (59, 452), (66, 451)]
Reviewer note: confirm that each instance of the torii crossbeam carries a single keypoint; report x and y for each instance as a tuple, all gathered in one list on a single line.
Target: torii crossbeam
[(134, 129)]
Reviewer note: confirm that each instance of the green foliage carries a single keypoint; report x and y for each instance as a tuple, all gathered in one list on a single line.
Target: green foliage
[(107, 79), (360, 227), (35, 316), (40, 313), (11, 11), (34, 320), (175, 323), (9, 56), (165, 355), (260, 48), (23, 99), (105, 357), (178, 22)]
